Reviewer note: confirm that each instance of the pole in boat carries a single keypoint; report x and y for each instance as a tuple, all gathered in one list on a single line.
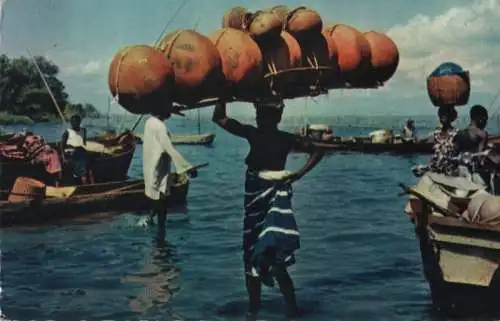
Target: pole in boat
[(107, 115), (48, 88)]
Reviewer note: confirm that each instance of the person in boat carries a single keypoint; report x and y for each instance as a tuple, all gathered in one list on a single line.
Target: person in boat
[(474, 138), (409, 132), (327, 135), (158, 153), (444, 143), (268, 193), (73, 143)]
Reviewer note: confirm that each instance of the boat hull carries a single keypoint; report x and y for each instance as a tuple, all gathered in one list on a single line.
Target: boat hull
[(114, 197), (377, 148), (461, 263), (363, 144), (179, 139), (106, 168)]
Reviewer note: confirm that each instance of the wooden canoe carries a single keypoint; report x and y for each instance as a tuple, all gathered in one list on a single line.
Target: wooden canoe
[(85, 200), (362, 144), (461, 260), (178, 139), (109, 164)]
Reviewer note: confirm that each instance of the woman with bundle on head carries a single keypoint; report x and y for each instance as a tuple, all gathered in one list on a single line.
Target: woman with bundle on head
[(270, 234)]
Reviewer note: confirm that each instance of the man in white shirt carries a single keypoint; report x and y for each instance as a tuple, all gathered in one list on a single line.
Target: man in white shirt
[(158, 154)]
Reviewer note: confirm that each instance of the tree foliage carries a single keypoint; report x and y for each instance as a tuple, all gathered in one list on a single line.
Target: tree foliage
[(22, 91)]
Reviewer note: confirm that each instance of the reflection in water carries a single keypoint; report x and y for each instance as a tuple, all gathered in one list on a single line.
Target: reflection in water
[(159, 276)]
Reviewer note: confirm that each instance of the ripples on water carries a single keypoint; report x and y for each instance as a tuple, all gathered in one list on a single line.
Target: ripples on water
[(358, 259)]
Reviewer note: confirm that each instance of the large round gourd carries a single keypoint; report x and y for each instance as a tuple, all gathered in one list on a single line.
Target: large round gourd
[(197, 66), (353, 50), (241, 60), (303, 21), (141, 76), (235, 18), (264, 24), (281, 11), (316, 52), (384, 56), (282, 54), (448, 84)]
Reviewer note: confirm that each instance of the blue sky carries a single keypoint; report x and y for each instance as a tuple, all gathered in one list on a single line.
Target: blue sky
[(81, 36)]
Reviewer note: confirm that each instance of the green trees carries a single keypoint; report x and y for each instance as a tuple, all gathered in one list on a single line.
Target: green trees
[(23, 93)]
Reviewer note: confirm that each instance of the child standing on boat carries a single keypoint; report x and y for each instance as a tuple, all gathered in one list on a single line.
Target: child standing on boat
[(270, 233), (158, 153), (73, 143)]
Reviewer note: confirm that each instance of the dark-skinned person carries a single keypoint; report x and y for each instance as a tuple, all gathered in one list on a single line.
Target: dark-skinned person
[(73, 150), (444, 143), (158, 154), (270, 234)]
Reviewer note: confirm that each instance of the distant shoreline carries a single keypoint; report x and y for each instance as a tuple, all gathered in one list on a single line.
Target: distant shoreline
[(7, 119)]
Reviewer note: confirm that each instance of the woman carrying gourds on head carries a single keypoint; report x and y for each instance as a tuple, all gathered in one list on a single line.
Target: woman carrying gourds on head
[(444, 143)]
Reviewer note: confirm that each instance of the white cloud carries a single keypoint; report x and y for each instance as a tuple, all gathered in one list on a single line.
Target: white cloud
[(468, 35), (92, 67)]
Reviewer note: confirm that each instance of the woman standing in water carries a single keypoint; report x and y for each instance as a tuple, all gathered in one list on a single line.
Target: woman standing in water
[(270, 234)]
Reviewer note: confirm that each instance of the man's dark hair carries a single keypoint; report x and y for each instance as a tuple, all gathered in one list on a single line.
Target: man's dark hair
[(75, 119), (478, 112)]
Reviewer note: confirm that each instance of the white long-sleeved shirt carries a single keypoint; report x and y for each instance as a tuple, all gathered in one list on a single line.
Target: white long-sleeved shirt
[(157, 155)]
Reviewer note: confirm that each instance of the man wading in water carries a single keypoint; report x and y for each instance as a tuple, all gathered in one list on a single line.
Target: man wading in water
[(270, 232), (157, 155)]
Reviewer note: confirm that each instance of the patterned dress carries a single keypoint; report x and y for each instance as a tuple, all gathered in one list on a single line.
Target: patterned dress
[(444, 149)]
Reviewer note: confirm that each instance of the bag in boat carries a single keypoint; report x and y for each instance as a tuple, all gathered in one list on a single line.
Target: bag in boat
[(483, 208), (382, 136), (458, 196)]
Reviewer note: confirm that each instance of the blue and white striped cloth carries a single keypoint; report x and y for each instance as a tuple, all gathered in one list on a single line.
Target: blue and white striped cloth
[(270, 231)]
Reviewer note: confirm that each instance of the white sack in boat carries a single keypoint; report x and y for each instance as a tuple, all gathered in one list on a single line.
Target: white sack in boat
[(446, 192), (381, 136), (483, 208)]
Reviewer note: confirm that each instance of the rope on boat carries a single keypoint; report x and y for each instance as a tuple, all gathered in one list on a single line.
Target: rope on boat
[(156, 43)]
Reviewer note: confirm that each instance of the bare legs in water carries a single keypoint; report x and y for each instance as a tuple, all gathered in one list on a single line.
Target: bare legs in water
[(254, 289)]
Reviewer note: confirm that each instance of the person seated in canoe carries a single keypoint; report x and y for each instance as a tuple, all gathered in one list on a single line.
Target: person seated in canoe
[(444, 143), (267, 202), (158, 153), (474, 138), (73, 143), (327, 135), (409, 132)]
